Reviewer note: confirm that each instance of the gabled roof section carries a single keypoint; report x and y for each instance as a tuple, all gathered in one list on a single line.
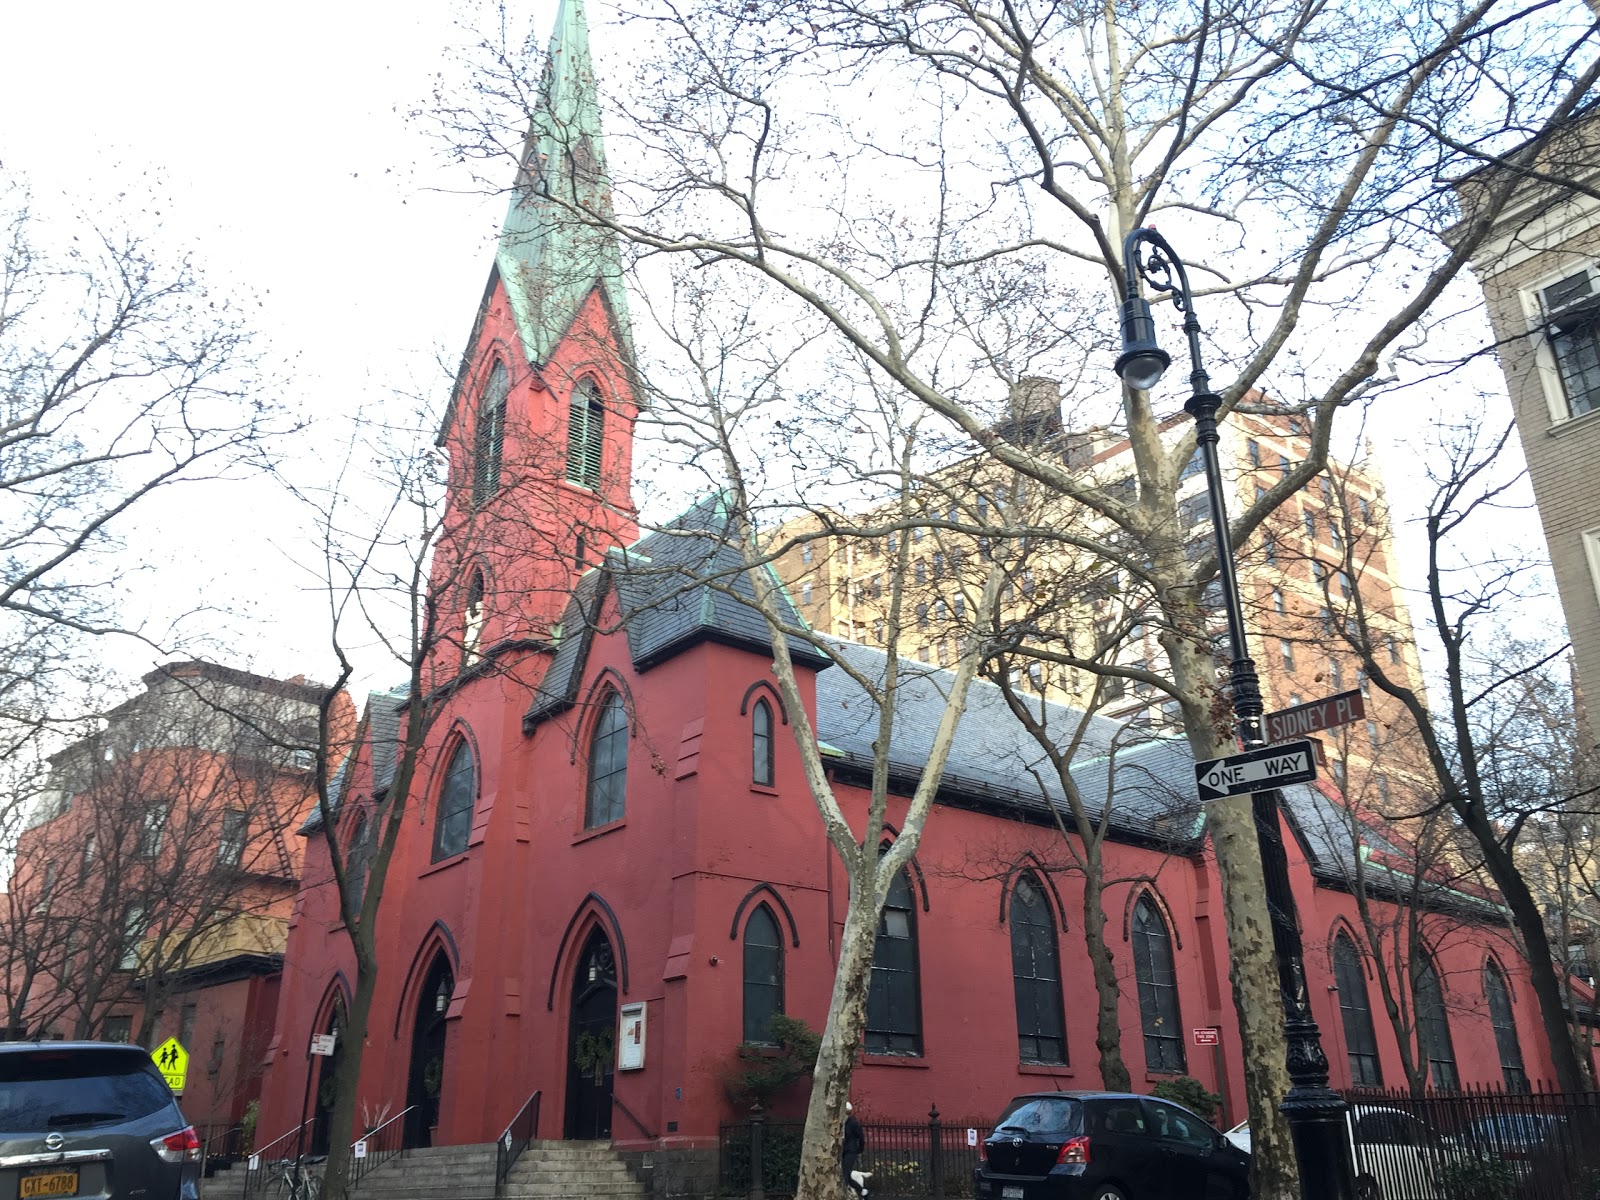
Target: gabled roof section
[(550, 258), (683, 584), (380, 732)]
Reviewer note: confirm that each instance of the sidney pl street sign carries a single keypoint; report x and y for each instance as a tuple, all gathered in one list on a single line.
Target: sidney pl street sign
[(1302, 719), (1256, 770)]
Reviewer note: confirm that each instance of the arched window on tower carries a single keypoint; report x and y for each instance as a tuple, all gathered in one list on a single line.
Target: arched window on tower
[(894, 1016), (761, 768), (1360, 1039), (1433, 1027), (1036, 973), (357, 855), (1504, 1021), (608, 764), (456, 801), (763, 976), (1158, 989), (585, 435), (472, 619), (489, 442)]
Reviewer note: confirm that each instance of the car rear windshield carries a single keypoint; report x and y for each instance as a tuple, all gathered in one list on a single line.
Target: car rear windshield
[(47, 1090), (1036, 1114)]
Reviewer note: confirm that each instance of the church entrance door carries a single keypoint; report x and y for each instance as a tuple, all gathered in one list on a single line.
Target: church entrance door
[(425, 1081), (592, 1041)]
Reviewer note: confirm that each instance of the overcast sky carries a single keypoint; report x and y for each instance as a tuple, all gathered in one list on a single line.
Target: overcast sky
[(275, 141)]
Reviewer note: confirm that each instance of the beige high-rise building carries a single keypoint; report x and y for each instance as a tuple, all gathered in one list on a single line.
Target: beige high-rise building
[(1299, 579), (1540, 273)]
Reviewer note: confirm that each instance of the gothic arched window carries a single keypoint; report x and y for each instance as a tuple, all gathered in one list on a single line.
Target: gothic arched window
[(456, 800), (1036, 974), (763, 976), (1433, 1027), (1360, 1039), (1504, 1021), (608, 764), (894, 1017), (472, 618), (490, 439), (761, 744), (1158, 989), (585, 435)]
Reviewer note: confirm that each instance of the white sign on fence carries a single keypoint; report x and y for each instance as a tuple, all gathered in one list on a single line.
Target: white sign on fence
[(972, 1137), (359, 1150)]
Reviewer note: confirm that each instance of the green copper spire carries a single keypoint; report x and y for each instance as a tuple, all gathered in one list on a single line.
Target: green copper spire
[(549, 257)]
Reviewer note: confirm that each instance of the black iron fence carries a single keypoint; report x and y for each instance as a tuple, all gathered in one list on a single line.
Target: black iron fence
[(369, 1153), (221, 1142), (933, 1158), (1478, 1144), (514, 1140)]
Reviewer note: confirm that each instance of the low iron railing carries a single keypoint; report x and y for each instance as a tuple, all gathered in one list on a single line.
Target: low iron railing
[(277, 1150), (933, 1158), (517, 1137), (221, 1142), (369, 1153)]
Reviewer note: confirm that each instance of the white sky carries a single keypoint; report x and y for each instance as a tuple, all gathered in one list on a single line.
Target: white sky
[(276, 142)]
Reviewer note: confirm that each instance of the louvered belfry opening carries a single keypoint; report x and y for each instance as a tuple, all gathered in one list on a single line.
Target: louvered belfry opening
[(585, 436), (490, 439)]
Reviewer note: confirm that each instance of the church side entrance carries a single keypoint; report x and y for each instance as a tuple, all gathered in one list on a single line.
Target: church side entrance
[(591, 1041), (425, 1082)]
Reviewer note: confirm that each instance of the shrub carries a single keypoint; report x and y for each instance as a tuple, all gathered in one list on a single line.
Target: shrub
[(1191, 1093), (760, 1072), (1478, 1179)]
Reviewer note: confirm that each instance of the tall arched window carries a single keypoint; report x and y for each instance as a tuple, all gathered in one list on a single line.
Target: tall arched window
[(1360, 1040), (894, 1016), (1036, 974), (357, 854), (1504, 1021), (456, 799), (585, 435), (472, 618), (1433, 1027), (1158, 989), (608, 764), (761, 743), (489, 443), (763, 976)]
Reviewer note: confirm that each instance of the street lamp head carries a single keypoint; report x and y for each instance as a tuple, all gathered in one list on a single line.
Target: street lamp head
[(1142, 361)]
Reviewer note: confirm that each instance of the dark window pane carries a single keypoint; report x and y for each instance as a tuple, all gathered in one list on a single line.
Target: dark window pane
[(456, 800), (1158, 990), (761, 743), (763, 975), (43, 1089), (608, 764), (1036, 974), (1505, 1028), (1433, 1028), (894, 1019), (1360, 1039)]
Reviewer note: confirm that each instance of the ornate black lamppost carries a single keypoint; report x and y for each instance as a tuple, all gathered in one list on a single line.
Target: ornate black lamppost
[(1315, 1112)]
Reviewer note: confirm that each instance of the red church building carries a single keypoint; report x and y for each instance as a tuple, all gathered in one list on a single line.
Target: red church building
[(612, 873)]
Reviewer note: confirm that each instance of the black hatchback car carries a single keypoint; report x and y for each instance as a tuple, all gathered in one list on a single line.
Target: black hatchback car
[(1107, 1146), (91, 1119)]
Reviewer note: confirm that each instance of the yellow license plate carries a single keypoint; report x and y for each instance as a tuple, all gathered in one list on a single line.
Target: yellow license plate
[(56, 1183)]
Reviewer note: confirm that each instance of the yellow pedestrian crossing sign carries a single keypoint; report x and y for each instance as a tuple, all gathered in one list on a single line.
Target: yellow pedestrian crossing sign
[(172, 1060)]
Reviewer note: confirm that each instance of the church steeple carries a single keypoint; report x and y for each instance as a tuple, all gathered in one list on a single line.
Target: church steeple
[(550, 256)]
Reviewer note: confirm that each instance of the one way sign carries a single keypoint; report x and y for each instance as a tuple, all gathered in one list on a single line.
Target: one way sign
[(1292, 762)]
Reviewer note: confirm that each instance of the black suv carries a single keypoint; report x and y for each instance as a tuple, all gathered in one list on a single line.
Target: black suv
[(1107, 1146), (91, 1119)]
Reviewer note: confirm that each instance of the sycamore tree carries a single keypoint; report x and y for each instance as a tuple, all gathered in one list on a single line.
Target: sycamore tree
[(927, 181)]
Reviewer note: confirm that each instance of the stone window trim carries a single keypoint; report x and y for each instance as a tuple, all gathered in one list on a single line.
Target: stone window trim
[(1591, 553), (1546, 369)]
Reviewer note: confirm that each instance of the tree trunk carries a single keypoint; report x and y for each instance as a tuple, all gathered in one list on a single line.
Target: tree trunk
[(821, 1176), (1108, 1029), (341, 1121)]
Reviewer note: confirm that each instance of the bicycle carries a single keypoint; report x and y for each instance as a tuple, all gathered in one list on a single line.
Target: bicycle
[(296, 1180)]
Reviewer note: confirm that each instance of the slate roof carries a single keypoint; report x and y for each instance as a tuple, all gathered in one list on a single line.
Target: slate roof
[(380, 726), (680, 585)]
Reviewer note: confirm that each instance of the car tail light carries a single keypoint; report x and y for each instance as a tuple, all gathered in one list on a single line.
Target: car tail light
[(1076, 1150), (183, 1146)]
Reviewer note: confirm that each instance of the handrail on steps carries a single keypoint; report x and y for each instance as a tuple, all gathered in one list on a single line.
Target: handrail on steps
[(515, 1139), (255, 1167), (377, 1147)]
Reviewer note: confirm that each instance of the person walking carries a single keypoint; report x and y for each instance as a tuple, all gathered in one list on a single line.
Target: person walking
[(855, 1141)]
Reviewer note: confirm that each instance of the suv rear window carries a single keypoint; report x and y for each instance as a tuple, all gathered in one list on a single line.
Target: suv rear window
[(75, 1089), (1050, 1114)]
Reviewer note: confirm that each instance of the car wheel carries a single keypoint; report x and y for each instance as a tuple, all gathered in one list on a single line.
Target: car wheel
[(1108, 1191), (1367, 1189)]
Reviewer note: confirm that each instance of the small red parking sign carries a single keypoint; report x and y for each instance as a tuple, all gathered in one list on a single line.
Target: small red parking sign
[(1208, 1036)]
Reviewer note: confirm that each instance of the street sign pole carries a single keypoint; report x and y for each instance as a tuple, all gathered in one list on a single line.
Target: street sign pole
[(1316, 1113)]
